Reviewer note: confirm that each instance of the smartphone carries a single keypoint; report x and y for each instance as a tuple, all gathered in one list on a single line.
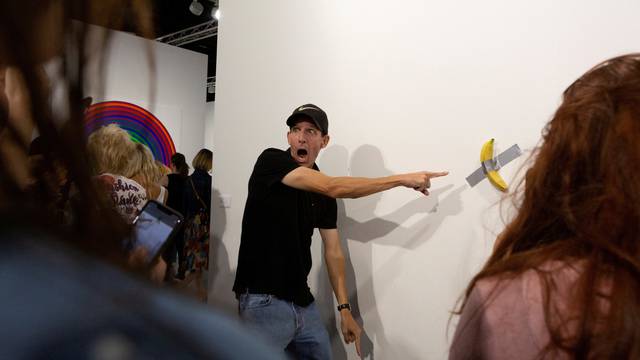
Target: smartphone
[(155, 227)]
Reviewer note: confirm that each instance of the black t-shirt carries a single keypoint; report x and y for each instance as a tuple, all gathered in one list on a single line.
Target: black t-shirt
[(278, 222)]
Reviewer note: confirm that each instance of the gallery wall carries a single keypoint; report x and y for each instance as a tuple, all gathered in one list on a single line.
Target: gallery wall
[(408, 85), (174, 91), (209, 121)]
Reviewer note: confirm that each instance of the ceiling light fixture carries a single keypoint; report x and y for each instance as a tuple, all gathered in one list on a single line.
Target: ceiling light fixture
[(215, 13), (196, 8), (215, 10)]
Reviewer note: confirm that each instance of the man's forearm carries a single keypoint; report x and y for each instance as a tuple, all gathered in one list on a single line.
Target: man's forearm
[(355, 187), (334, 258), (307, 179), (335, 268)]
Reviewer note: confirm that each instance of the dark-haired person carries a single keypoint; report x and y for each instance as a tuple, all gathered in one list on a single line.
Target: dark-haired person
[(289, 197), (197, 214), (67, 289), (564, 277), (175, 183)]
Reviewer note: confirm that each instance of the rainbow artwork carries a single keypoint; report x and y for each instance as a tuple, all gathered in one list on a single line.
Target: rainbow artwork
[(143, 126)]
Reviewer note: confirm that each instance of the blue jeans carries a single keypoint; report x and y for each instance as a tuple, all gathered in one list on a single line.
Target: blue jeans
[(298, 330)]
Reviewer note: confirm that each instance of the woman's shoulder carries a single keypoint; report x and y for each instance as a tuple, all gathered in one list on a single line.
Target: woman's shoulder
[(530, 281), (200, 174), (154, 191), (513, 304), (176, 180), (120, 183), (116, 178)]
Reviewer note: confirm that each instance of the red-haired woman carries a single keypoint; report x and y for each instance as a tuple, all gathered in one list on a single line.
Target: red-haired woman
[(564, 277)]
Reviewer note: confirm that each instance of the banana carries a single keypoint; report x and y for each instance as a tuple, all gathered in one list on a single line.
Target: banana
[(487, 154)]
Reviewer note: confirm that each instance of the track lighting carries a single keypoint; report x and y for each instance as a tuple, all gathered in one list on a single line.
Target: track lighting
[(196, 8)]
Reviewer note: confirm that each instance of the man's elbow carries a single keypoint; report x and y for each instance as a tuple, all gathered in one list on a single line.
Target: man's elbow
[(334, 192), (331, 257)]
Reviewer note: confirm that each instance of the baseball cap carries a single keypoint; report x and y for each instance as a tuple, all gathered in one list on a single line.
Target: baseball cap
[(317, 115)]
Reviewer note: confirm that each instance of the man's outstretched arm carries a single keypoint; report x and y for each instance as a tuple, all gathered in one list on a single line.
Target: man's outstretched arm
[(306, 179), (334, 258)]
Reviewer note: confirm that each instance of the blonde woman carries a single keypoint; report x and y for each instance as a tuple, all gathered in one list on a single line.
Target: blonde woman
[(197, 195), (65, 289), (110, 148), (146, 172)]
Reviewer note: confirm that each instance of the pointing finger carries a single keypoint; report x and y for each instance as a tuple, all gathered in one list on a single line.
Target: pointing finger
[(436, 174)]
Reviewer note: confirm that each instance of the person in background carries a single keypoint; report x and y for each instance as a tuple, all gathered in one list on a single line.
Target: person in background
[(145, 172), (115, 160), (163, 172), (197, 202), (175, 182), (563, 281), (68, 290)]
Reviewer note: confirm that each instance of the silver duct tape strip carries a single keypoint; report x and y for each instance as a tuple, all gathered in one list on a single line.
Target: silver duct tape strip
[(490, 165), (476, 177), (509, 155), (496, 163)]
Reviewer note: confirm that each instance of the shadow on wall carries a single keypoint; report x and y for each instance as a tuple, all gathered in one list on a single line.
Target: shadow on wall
[(367, 161), (220, 275)]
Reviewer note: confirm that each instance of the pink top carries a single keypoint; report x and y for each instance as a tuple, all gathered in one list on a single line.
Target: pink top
[(509, 323)]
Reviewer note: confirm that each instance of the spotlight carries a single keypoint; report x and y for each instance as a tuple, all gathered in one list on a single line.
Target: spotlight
[(196, 8), (215, 13)]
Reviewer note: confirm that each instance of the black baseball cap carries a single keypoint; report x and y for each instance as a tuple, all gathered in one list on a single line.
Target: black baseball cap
[(317, 115)]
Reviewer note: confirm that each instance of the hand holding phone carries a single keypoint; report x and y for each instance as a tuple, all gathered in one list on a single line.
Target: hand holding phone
[(154, 228)]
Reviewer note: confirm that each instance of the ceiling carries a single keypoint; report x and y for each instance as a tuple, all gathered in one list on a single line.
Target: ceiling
[(171, 16), (174, 24)]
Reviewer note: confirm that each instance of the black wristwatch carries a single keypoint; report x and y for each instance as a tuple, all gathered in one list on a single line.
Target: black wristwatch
[(344, 306)]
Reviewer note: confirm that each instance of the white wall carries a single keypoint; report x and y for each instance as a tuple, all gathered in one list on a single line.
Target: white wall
[(408, 85), (209, 125), (180, 78)]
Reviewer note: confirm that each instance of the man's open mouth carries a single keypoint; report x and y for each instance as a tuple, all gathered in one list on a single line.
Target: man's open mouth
[(301, 152)]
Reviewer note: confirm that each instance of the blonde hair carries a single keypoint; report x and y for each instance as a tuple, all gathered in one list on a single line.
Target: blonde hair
[(203, 160), (143, 167), (163, 170), (109, 150)]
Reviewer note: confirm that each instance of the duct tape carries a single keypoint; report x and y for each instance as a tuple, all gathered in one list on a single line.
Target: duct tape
[(496, 163), (491, 164)]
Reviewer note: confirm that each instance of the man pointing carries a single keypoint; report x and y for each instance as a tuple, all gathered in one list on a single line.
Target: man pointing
[(289, 197)]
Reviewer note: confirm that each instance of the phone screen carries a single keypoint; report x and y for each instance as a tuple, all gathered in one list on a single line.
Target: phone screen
[(154, 226)]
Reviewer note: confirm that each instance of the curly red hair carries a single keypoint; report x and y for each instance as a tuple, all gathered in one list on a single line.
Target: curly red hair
[(581, 203)]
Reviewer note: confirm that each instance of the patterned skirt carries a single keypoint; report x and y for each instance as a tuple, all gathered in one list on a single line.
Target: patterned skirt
[(196, 243)]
